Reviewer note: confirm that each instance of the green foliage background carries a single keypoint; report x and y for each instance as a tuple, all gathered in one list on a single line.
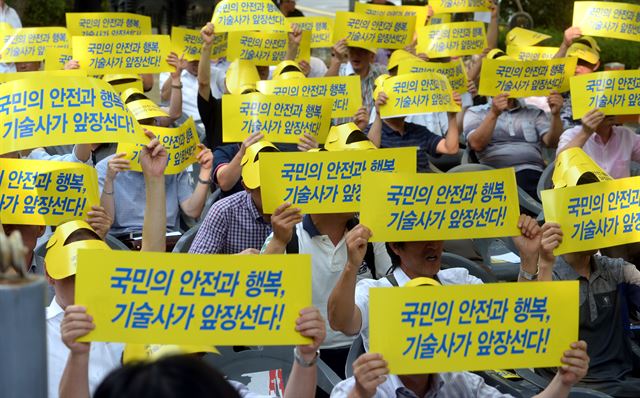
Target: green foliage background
[(554, 16)]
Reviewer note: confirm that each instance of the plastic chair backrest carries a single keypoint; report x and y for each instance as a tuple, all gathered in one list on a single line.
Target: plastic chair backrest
[(184, 243), (546, 181), (467, 167)]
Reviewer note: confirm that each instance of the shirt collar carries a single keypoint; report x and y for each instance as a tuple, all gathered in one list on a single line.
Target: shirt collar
[(400, 276), (33, 267), (54, 309), (566, 272), (255, 214), (309, 226), (435, 385)]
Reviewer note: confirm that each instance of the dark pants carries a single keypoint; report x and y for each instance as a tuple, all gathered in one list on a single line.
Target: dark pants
[(528, 180)]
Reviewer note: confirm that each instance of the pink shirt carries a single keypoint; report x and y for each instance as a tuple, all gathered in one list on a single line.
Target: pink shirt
[(615, 156)]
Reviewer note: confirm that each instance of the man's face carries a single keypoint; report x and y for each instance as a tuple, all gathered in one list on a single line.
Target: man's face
[(28, 66), (192, 67), (65, 290), (582, 69), (421, 258), (606, 124), (263, 72), (360, 59), (287, 6)]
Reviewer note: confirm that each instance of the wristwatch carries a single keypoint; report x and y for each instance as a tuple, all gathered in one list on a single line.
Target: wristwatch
[(201, 181), (302, 362), (530, 277)]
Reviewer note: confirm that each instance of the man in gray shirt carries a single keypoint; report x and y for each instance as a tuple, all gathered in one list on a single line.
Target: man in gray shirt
[(508, 133)]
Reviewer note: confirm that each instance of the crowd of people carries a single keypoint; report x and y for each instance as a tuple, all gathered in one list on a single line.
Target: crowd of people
[(145, 210)]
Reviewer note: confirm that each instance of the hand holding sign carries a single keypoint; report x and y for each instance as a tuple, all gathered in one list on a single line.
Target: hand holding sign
[(592, 120), (370, 370), (153, 158), (555, 102), (356, 241), (76, 323), (499, 104), (283, 221), (310, 324)]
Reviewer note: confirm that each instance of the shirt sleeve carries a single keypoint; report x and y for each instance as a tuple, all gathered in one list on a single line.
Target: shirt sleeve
[(221, 156), (362, 302), (472, 119), (185, 190), (101, 168), (566, 137), (635, 152), (543, 123), (41, 154), (431, 142), (212, 232)]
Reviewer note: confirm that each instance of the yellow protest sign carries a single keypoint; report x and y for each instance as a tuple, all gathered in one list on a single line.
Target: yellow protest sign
[(525, 79), (531, 53), (107, 24), (57, 58), (344, 91), (455, 71), (381, 10), (453, 6), (440, 18), (325, 182), (279, 118), (524, 37), (181, 144), (607, 19), (188, 43), (417, 93), (247, 15), (373, 32), (452, 39), (321, 29), (41, 74), (613, 92), (414, 207), (44, 192), (30, 44), (437, 329), (170, 298), (62, 111), (265, 48), (594, 216), (124, 54)]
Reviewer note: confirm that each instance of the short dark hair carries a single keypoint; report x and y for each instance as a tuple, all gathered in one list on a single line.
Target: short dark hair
[(171, 377), (395, 259), (80, 235)]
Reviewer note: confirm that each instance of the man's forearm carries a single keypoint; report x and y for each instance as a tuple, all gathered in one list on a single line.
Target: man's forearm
[(154, 229), (578, 141), (341, 305), (75, 378), (302, 382), (480, 138), (375, 132), (555, 131), (204, 72)]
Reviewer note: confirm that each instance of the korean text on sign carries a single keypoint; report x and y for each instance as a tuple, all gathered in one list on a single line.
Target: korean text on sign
[(265, 48), (420, 12), (415, 207), (280, 119), (531, 53), (595, 216), (170, 298), (30, 44), (62, 111), (57, 58), (321, 29), (525, 79), (188, 43), (455, 71), (107, 24), (452, 39), (417, 93), (39, 192), (325, 182), (130, 54), (453, 6), (181, 144), (613, 92), (607, 19), (473, 327), (343, 90), (372, 32), (247, 15)]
